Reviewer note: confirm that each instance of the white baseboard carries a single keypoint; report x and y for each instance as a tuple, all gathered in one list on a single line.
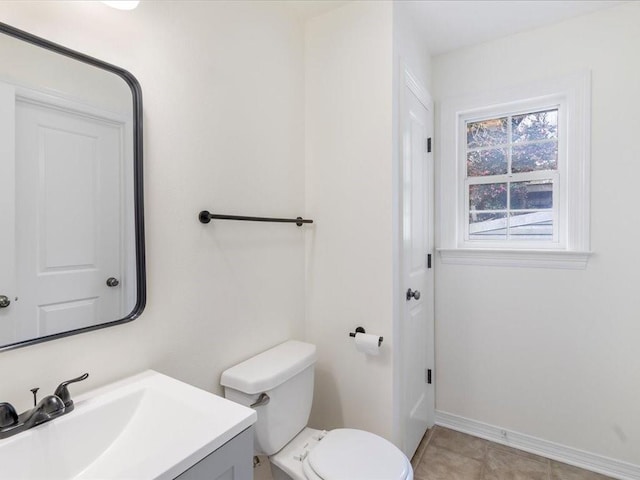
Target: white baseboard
[(579, 458)]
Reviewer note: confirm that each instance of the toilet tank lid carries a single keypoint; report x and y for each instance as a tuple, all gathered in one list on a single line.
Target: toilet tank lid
[(271, 368)]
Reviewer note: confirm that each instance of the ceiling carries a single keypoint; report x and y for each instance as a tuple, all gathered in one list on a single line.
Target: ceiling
[(449, 25)]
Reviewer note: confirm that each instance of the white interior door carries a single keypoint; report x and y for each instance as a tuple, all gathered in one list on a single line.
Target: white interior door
[(417, 322), (70, 208)]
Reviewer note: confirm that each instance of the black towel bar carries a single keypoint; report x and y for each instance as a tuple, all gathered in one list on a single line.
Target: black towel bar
[(205, 217)]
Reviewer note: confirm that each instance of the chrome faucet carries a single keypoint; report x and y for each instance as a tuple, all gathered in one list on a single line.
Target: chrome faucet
[(50, 407)]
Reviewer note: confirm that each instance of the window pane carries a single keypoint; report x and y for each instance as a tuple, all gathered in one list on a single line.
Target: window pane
[(488, 226), (534, 156), (490, 196), (487, 162), (487, 133), (531, 226), (535, 126), (531, 195)]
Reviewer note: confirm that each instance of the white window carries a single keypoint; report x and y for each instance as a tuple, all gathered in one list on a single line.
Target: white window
[(514, 176), (511, 178)]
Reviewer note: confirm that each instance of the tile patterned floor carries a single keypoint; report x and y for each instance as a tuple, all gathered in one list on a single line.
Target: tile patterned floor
[(449, 455)]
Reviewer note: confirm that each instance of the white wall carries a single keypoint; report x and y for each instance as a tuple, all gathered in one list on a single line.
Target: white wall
[(223, 87), (349, 194), (554, 353)]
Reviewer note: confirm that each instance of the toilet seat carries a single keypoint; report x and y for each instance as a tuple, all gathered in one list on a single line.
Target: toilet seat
[(348, 454)]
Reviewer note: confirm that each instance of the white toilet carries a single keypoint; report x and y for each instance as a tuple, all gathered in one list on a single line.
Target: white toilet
[(278, 383)]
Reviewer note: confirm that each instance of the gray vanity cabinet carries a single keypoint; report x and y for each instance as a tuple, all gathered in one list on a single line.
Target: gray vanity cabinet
[(232, 461)]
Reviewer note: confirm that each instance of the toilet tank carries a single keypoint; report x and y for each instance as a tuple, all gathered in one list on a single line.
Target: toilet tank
[(285, 374)]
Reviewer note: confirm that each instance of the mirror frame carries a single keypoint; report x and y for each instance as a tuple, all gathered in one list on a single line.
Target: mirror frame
[(138, 194)]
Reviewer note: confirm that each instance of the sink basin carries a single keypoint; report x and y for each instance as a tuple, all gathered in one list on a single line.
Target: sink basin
[(148, 426)]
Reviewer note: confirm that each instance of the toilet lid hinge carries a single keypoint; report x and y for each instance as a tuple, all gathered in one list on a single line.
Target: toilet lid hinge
[(302, 455)]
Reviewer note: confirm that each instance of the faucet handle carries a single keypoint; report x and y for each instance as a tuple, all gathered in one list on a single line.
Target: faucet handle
[(8, 415), (63, 392)]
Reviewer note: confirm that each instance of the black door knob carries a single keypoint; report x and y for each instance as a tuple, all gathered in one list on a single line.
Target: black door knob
[(112, 282), (4, 301), (413, 294)]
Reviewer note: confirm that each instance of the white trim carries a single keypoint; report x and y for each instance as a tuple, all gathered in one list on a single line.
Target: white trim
[(571, 260), (66, 104), (561, 453), (575, 93), (418, 90)]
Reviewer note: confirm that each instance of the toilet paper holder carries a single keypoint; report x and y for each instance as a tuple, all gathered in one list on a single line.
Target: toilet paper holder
[(362, 330)]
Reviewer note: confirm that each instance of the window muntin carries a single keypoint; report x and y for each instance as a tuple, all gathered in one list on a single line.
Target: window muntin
[(512, 180)]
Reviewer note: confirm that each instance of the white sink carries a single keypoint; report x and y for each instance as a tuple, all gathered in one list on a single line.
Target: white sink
[(148, 426)]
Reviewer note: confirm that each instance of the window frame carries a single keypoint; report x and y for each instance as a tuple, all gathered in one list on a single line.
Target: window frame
[(570, 246)]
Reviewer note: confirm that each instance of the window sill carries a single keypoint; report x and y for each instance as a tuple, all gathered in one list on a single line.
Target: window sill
[(515, 258)]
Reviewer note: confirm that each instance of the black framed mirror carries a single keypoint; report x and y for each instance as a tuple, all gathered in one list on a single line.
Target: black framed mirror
[(72, 253)]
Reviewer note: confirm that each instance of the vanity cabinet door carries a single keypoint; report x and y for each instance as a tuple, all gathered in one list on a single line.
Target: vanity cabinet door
[(232, 461)]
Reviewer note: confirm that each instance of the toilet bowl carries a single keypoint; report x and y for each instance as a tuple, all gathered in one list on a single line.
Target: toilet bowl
[(278, 383), (344, 454)]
